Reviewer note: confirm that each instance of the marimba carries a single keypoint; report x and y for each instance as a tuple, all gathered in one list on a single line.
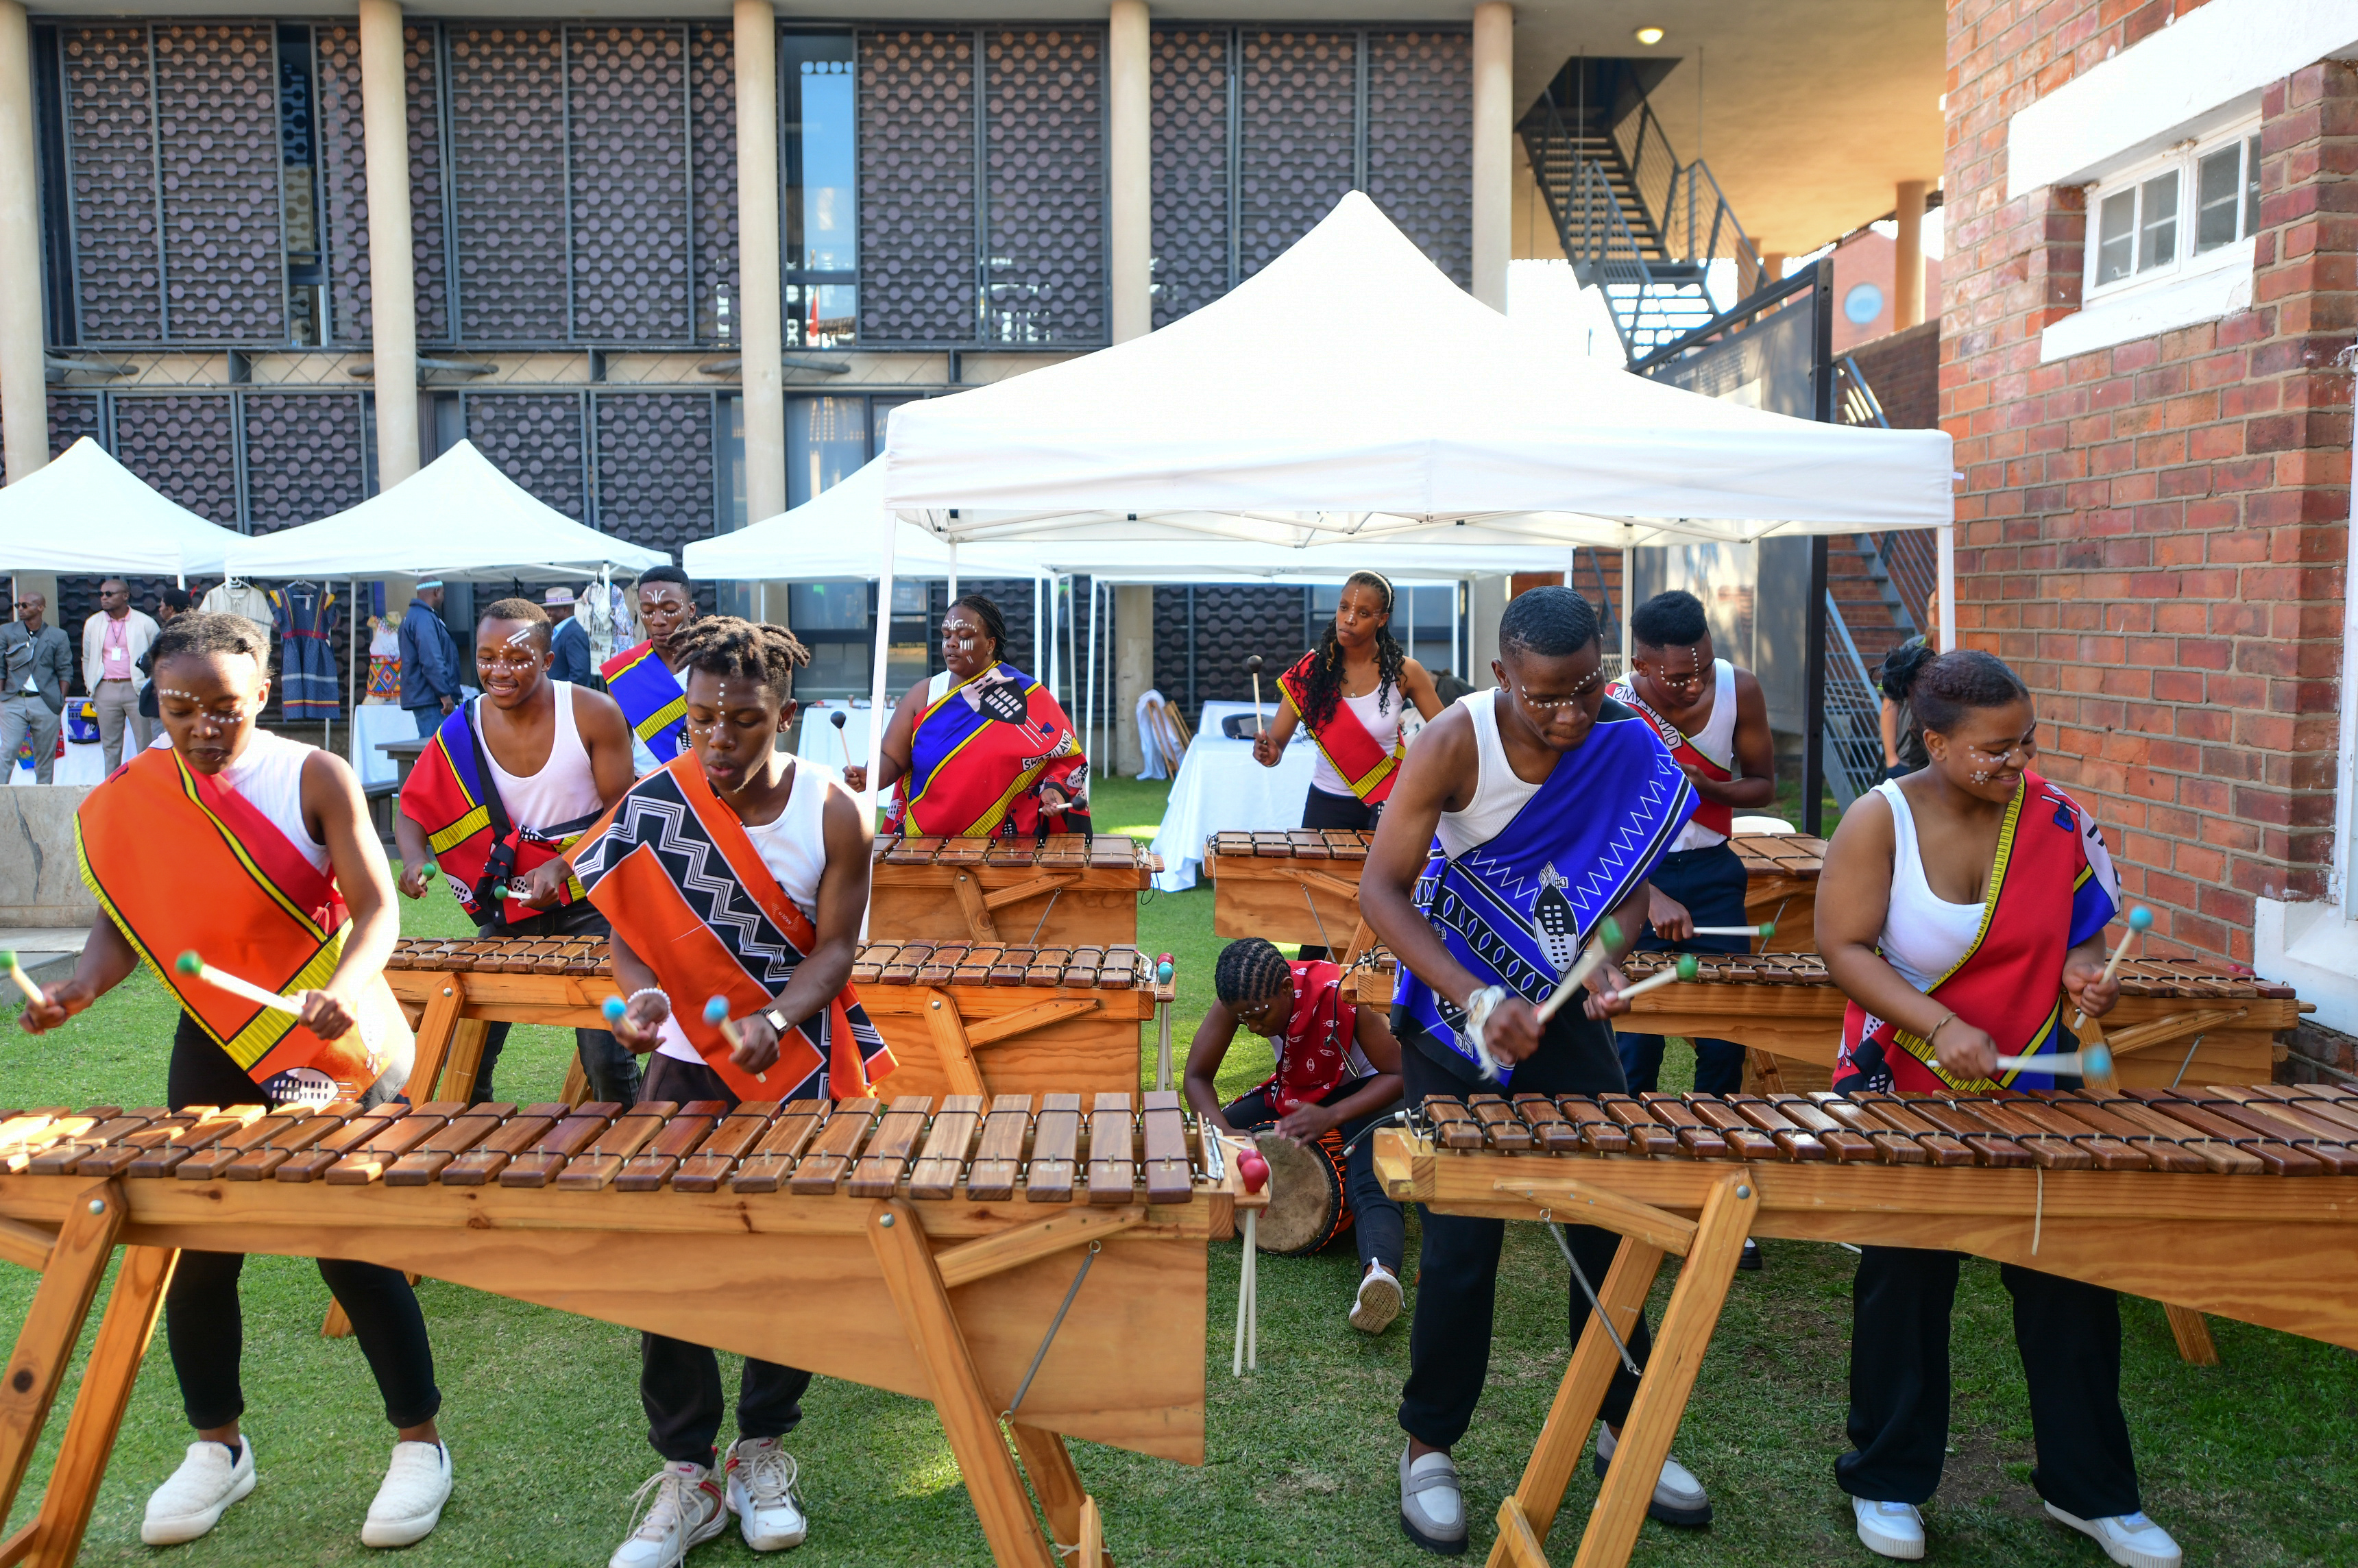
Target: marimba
[(1299, 886), (1781, 885), (825, 1236), (962, 1018), (1065, 888), (2236, 1201)]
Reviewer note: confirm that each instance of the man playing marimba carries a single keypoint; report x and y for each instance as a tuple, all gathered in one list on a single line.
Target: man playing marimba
[(255, 851), (1524, 818), (739, 873), (1959, 908), (645, 679)]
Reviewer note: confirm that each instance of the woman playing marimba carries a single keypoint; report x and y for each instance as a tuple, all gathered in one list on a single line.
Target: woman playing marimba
[(981, 748), (1959, 908), (1337, 1071)]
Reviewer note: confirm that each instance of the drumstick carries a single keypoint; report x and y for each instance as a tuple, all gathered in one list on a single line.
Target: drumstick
[(33, 993), (716, 1013), (1609, 937), (835, 719), (1686, 968), (1260, 725), (2140, 922), (189, 964)]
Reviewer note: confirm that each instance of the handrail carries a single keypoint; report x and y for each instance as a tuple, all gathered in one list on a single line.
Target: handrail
[(1853, 741)]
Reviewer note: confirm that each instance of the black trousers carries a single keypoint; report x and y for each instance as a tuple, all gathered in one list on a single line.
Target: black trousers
[(202, 1324), (1457, 1284), (612, 1071), (1710, 882), (1376, 1218), (679, 1383), (2069, 1335), (1320, 809)]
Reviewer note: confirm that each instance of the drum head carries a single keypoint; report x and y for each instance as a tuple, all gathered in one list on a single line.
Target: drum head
[(1306, 1197)]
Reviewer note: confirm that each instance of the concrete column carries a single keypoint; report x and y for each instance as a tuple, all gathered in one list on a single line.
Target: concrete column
[(24, 384), (1133, 670), (1129, 168), (761, 292), (1494, 155), (393, 285), (1908, 259), (1772, 268)]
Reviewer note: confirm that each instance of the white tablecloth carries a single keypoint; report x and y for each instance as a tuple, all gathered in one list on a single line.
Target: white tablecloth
[(1220, 789), (374, 723), (817, 742), (82, 764)]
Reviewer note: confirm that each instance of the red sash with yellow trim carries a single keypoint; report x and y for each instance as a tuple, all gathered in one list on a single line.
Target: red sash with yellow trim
[(979, 755), (2051, 887), (447, 795), (181, 861), (1715, 814), (1365, 764), (652, 698), (672, 868)]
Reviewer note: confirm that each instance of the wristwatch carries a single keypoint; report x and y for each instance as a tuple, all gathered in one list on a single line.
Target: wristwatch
[(777, 1020)]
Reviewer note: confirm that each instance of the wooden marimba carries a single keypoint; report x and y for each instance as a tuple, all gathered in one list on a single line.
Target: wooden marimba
[(825, 1236), (962, 1018), (1065, 888), (1781, 885), (2241, 1202), (1298, 886)]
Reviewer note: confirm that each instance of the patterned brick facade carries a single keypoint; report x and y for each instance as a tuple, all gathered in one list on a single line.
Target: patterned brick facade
[(2154, 534)]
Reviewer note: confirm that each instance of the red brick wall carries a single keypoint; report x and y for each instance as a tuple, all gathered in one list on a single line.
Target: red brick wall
[(2154, 534), (1904, 371)]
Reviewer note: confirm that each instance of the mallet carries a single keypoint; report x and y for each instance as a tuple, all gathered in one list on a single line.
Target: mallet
[(1609, 937), (1765, 930), (189, 964), (1686, 968), (2140, 922), (2093, 1062), (33, 993), (1252, 664), (613, 1008), (716, 1013), (837, 719)]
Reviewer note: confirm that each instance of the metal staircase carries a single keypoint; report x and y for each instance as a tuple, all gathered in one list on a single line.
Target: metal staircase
[(1633, 220)]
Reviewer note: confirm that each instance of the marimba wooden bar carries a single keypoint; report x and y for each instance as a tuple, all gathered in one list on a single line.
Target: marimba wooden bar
[(2241, 1202), (827, 1236), (1062, 889)]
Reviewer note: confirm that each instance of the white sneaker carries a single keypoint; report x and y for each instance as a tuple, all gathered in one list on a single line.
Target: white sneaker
[(761, 1494), (683, 1507), (1679, 1499), (199, 1493), (1890, 1530), (1379, 1301), (2131, 1539), (410, 1504)]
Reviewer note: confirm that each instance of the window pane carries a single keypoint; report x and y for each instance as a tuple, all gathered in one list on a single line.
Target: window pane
[(2218, 196), (2158, 224), (2252, 186), (826, 441), (821, 211), (836, 670), (2117, 236), (827, 606), (1324, 601)]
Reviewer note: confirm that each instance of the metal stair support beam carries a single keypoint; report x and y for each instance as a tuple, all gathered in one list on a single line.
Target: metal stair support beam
[(1854, 738)]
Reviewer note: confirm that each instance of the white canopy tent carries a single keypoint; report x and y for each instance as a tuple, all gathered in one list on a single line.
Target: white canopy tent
[(83, 512)]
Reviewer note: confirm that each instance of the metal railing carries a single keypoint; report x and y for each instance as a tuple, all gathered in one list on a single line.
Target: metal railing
[(1904, 560), (1854, 716)]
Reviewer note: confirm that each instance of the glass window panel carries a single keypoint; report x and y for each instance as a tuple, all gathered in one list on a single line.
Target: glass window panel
[(2157, 223), (829, 606), (2218, 196), (1431, 650), (826, 441), (910, 598), (1324, 601), (904, 666), (836, 670), (2252, 186), (821, 211), (2115, 236)]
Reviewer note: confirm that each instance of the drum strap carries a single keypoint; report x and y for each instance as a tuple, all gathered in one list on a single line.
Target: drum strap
[(1056, 1323)]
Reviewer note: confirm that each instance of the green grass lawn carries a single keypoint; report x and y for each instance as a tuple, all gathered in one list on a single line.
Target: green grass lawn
[(2249, 1463)]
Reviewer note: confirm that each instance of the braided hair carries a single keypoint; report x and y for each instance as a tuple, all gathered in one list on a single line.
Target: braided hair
[(1325, 686), (204, 636), (994, 621), (726, 645), (1250, 970)]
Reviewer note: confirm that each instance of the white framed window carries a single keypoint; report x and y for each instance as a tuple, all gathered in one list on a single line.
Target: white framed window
[(2166, 217)]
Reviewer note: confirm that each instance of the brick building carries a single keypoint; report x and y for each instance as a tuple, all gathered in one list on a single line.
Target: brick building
[(2147, 311)]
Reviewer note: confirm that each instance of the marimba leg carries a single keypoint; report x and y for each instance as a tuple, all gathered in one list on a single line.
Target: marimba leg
[(1056, 1482), (979, 925), (449, 998), (45, 1345), (2195, 1347), (948, 1029), (466, 1060), (992, 1482), (577, 1082), (99, 1404), (1531, 1510), (1671, 1370)]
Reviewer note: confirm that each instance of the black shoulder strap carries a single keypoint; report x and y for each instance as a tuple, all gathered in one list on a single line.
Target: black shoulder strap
[(499, 866)]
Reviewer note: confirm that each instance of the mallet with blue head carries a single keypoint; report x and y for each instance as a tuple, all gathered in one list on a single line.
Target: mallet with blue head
[(716, 1013), (2140, 922)]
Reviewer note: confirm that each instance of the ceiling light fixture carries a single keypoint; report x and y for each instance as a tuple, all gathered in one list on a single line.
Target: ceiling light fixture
[(1649, 37)]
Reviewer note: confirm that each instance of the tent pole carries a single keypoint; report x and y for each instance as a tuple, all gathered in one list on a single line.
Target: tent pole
[(1089, 697), (1628, 602), (876, 677), (1571, 563), (953, 595), (1035, 625), (1947, 535), (352, 686)]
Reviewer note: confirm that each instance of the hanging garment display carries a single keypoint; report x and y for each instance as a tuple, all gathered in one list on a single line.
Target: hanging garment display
[(385, 661), (305, 616)]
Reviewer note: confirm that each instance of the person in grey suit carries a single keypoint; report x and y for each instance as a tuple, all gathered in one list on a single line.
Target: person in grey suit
[(38, 662)]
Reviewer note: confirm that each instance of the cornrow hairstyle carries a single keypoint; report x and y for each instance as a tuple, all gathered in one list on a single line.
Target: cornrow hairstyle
[(1551, 621), (726, 645), (1325, 686), (203, 636), (1672, 620), (523, 610), (994, 622), (1252, 969), (1957, 683)]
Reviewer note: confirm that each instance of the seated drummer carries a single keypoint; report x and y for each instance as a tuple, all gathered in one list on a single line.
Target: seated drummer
[(1954, 906), (255, 851), (761, 859), (1528, 814), (1337, 1071), (1352, 692), (981, 748)]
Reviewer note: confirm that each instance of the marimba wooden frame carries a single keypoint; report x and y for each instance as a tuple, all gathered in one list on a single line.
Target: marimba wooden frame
[(863, 1292), (2223, 1244), (1053, 906)]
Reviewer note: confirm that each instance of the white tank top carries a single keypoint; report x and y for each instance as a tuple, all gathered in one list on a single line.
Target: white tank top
[(1380, 713), (269, 778), (794, 849), (564, 790), (1715, 741), (1497, 792), (1923, 934)]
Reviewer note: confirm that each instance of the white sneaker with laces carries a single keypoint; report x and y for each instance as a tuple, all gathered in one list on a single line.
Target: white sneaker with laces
[(680, 1506), (410, 1504), (1679, 1499), (1379, 1301), (2131, 1539), (1890, 1530), (192, 1501), (761, 1494)]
